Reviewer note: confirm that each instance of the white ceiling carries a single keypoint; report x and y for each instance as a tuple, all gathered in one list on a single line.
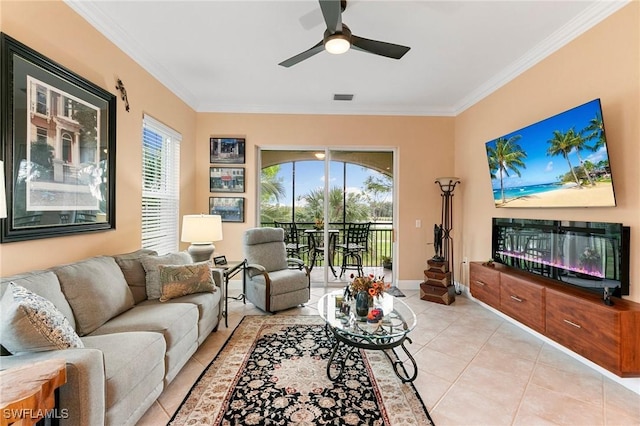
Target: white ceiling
[(222, 56)]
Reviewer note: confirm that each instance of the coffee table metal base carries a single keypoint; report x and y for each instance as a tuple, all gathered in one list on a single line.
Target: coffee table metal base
[(344, 346)]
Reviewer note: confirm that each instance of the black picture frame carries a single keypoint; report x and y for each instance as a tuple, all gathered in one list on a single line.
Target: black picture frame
[(219, 260), (58, 143), (231, 209), (226, 179), (227, 150)]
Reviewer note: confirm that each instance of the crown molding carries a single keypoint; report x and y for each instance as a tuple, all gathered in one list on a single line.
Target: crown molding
[(390, 110), (591, 16), (92, 13)]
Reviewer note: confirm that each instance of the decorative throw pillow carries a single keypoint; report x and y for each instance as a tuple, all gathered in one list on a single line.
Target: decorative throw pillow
[(134, 272), (151, 265), (31, 323), (180, 280)]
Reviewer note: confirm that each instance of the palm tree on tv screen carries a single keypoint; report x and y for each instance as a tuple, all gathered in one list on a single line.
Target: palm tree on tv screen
[(595, 131), (580, 143), (561, 144), (507, 155)]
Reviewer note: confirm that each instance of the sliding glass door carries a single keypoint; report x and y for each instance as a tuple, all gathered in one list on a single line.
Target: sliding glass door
[(321, 192)]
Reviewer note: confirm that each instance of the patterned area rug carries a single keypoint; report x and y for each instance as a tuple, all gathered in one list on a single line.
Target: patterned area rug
[(272, 371)]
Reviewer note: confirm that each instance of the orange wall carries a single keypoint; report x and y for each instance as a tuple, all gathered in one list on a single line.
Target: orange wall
[(82, 49), (424, 147), (602, 63)]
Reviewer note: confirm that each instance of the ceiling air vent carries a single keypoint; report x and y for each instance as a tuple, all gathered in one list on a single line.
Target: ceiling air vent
[(342, 97)]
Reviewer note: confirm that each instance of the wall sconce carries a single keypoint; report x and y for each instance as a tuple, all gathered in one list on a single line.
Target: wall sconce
[(123, 93), (201, 231)]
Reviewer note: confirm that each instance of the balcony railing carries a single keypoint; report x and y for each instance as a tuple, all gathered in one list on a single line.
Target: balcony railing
[(380, 242)]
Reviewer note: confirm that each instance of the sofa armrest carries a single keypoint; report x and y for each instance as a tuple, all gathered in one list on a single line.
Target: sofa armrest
[(82, 398)]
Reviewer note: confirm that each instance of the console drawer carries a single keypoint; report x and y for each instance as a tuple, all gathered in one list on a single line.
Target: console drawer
[(523, 301), (484, 283), (590, 329)]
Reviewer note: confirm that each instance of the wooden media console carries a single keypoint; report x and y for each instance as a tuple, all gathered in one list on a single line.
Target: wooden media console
[(577, 319)]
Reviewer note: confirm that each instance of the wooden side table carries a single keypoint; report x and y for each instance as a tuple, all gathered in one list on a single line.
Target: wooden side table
[(27, 393)]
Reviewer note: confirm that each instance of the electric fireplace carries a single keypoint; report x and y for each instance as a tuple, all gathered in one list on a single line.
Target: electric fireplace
[(590, 255)]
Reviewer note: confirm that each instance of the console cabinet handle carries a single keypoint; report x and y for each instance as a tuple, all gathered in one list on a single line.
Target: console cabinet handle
[(516, 298), (573, 324), (480, 283)]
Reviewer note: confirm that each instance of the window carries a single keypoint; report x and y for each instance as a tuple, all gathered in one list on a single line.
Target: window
[(41, 135), (160, 186)]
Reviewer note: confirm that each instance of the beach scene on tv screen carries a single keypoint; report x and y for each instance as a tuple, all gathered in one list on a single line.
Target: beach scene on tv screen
[(561, 161)]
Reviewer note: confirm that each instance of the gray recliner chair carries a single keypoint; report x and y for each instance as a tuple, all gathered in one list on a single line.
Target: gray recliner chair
[(273, 281)]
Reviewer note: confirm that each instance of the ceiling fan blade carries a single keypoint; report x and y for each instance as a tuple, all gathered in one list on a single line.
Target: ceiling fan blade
[(390, 50), (304, 55), (332, 12)]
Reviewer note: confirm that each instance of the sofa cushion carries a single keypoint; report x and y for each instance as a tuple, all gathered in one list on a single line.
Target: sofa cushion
[(134, 367), (96, 290), (134, 272), (151, 265), (31, 323), (45, 284), (181, 280), (209, 310), (177, 322)]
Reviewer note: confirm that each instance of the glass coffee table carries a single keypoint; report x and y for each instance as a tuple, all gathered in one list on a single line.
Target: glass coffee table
[(352, 332)]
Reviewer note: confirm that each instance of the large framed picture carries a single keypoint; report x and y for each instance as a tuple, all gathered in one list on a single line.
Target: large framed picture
[(230, 208), (227, 150), (58, 142), (226, 179)]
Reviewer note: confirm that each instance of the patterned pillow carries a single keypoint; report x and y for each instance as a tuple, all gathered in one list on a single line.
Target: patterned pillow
[(180, 280), (31, 323), (151, 265)]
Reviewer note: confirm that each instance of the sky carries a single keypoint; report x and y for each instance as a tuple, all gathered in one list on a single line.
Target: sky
[(310, 175), (542, 168)]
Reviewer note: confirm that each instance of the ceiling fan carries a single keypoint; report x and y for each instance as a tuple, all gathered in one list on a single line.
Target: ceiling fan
[(338, 38)]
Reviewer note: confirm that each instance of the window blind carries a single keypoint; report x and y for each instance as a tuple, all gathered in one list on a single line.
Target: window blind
[(160, 186)]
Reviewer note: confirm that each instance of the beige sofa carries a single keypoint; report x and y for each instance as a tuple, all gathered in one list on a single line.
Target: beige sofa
[(133, 346)]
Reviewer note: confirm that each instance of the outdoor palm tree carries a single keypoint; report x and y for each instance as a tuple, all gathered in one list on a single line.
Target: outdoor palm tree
[(562, 144), (507, 155), (271, 189), (357, 209)]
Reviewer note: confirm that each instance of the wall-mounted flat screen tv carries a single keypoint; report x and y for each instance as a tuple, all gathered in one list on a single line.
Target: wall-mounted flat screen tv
[(561, 161)]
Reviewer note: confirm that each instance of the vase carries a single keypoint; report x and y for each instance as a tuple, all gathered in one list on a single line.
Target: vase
[(363, 300)]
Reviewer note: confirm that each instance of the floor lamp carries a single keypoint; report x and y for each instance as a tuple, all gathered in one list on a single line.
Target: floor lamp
[(447, 185)]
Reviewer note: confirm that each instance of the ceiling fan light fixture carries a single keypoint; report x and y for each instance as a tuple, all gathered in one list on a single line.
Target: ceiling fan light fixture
[(337, 44)]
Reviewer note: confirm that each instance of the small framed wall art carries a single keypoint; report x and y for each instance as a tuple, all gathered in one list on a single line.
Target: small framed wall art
[(226, 179), (227, 150), (231, 209)]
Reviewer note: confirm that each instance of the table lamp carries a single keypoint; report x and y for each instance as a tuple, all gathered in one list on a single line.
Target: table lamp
[(201, 231)]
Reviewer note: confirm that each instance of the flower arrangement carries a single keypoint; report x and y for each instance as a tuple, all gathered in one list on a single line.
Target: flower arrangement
[(318, 223), (375, 286)]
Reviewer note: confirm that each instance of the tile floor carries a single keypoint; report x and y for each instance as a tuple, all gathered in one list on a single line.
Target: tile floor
[(475, 368)]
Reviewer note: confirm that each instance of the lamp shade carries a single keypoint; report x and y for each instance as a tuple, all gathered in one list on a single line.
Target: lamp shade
[(447, 184), (3, 195), (201, 228)]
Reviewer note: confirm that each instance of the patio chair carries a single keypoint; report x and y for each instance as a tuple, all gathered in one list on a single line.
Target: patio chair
[(356, 241), (271, 283), (292, 239)]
